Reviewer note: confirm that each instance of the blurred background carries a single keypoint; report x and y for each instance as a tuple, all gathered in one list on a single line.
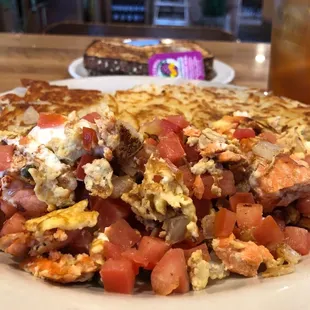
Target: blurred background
[(247, 20)]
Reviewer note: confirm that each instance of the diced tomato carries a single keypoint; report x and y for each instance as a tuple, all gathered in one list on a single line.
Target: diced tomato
[(227, 185), (118, 276), (18, 249), (178, 120), (280, 222), (208, 182), (297, 239), (13, 225), (6, 156), (189, 243), (198, 187), (268, 232), (120, 233), (49, 120), (111, 250), (85, 159), (153, 249), (7, 208), (303, 206), (202, 206), (80, 243), (249, 215), (244, 133), (136, 257), (203, 247), (269, 136), (224, 223), (240, 198), (24, 140), (167, 127), (188, 177), (170, 274), (170, 147), (91, 117), (150, 141), (89, 138), (110, 211), (192, 154), (209, 224)]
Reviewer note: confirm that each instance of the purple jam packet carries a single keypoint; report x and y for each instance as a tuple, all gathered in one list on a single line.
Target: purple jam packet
[(186, 65)]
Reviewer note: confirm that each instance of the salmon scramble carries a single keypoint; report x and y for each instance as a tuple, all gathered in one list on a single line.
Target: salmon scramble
[(91, 198)]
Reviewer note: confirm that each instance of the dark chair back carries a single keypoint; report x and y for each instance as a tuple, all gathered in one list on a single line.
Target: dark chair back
[(141, 31)]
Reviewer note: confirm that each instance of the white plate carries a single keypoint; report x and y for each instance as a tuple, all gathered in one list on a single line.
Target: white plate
[(224, 73), (19, 290)]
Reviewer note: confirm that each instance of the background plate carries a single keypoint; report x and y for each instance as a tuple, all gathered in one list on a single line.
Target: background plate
[(21, 291), (224, 73)]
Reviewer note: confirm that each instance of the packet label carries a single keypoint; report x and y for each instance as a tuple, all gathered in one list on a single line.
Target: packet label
[(186, 65)]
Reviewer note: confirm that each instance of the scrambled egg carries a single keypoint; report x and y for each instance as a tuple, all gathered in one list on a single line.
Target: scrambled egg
[(46, 242), (218, 271), (98, 179), (164, 199), (54, 181), (206, 165), (199, 271), (71, 147), (74, 217), (96, 249), (108, 133), (61, 268)]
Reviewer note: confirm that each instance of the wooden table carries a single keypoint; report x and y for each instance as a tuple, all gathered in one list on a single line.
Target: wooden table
[(47, 58)]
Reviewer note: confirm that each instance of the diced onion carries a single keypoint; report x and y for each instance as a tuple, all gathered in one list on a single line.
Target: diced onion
[(176, 228), (30, 116), (152, 128), (288, 254), (266, 150), (121, 185), (207, 224)]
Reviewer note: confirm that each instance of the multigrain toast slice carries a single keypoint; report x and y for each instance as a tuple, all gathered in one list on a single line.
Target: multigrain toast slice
[(117, 58)]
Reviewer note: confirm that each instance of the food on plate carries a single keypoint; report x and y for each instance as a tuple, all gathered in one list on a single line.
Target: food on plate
[(85, 194), (114, 57)]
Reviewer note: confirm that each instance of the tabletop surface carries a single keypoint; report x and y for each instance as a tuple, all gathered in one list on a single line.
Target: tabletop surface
[(46, 57)]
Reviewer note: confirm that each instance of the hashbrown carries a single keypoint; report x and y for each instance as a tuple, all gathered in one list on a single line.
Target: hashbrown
[(200, 105), (48, 98)]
